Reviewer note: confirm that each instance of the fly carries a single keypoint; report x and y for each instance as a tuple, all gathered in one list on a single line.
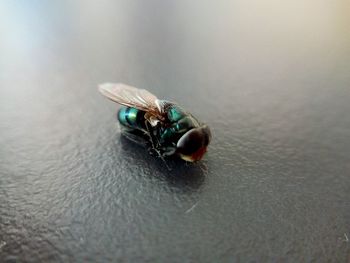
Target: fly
[(169, 129)]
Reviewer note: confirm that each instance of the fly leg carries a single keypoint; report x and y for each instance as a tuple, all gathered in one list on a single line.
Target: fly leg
[(169, 151), (155, 143)]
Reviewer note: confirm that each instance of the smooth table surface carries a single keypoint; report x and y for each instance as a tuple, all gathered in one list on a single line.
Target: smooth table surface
[(271, 78)]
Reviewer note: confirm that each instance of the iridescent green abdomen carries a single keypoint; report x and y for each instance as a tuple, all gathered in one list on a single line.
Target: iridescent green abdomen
[(131, 117)]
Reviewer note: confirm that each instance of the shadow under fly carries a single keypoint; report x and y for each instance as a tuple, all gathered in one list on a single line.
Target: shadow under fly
[(173, 170)]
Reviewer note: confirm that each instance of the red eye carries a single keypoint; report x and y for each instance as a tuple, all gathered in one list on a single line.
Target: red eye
[(198, 154), (193, 144)]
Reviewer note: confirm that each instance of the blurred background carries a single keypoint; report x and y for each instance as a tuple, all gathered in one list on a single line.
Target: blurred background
[(271, 78)]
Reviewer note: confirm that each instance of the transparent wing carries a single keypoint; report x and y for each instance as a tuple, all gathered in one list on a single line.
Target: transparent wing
[(133, 97)]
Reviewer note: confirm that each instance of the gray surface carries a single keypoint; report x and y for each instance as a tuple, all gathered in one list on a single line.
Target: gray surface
[(272, 80)]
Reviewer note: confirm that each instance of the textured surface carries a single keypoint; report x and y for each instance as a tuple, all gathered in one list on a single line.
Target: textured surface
[(272, 80)]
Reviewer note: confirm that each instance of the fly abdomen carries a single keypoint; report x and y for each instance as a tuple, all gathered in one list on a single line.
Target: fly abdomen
[(131, 117)]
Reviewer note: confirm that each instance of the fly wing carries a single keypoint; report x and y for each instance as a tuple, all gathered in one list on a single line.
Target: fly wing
[(132, 97)]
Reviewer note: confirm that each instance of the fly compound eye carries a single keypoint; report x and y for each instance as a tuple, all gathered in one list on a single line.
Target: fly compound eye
[(193, 144), (190, 142)]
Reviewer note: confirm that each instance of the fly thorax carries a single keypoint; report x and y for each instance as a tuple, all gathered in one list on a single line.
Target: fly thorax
[(177, 129)]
